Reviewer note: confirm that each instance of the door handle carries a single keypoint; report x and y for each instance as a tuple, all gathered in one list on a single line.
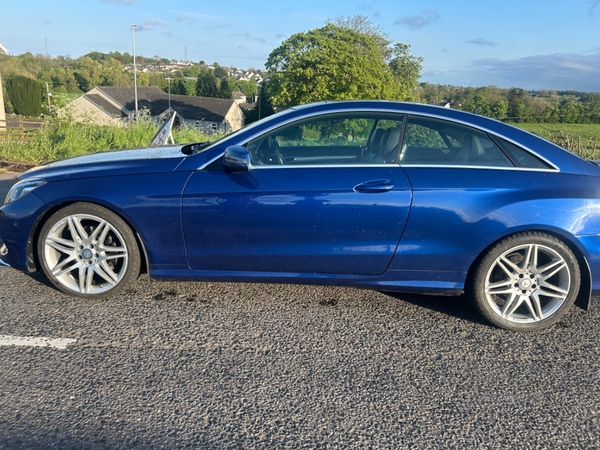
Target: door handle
[(374, 186)]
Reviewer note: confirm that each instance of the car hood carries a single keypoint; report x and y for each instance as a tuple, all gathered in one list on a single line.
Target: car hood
[(110, 163)]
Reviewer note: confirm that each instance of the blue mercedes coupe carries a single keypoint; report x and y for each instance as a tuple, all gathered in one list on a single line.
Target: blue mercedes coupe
[(372, 194)]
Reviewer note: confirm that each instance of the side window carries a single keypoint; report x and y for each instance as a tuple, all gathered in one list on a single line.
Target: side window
[(523, 157), (442, 142), (331, 139)]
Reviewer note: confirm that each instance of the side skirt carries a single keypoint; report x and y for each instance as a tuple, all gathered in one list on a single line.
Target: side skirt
[(410, 281)]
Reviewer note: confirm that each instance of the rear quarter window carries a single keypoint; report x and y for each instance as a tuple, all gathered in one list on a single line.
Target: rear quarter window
[(523, 157)]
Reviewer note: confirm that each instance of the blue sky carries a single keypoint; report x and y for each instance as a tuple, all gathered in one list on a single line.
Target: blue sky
[(546, 44)]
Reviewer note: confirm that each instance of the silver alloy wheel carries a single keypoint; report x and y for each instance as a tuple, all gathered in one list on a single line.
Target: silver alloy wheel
[(86, 254), (527, 283)]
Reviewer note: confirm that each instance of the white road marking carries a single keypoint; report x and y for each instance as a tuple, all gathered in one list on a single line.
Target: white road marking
[(33, 341)]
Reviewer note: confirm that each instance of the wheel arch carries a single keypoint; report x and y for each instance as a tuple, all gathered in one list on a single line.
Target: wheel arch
[(585, 289), (33, 262)]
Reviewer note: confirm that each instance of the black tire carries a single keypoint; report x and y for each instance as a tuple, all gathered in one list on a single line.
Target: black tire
[(526, 282), (88, 251)]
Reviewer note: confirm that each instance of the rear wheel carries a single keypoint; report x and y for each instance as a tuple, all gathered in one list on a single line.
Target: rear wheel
[(88, 251), (526, 282)]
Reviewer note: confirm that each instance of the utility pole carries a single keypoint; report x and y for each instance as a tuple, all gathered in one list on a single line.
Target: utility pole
[(134, 72), (2, 111), (46, 47), (185, 57), (169, 78), (48, 94)]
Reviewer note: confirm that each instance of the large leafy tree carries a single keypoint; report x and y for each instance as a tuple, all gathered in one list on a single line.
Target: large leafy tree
[(361, 24), (88, 73), (331, 63), (349, 58)]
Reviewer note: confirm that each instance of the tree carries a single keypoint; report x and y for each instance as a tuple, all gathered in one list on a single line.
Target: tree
[(182, 86), (122, 79), (220, 72), (248, 88), (143, 79), (406, 67), (361, 24), (158, 79), (87, 73), (329, 63), (96, 56), (226, 89), (110, 71), (206, 86), (25, 95), (499, 109)]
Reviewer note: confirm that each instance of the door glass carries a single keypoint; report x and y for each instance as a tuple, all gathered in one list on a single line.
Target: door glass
[(331, 139), (442, 142)]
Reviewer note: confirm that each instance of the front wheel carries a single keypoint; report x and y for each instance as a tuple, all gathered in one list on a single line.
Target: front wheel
[(526, 282), (88, 251)]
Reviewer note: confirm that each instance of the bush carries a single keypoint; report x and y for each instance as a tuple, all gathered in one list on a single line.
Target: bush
[(25, 95)]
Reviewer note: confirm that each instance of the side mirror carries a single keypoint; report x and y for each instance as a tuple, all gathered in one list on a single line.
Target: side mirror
[(236, 158)]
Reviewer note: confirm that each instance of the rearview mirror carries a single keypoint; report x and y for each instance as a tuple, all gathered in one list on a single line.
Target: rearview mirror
[(236, 158)]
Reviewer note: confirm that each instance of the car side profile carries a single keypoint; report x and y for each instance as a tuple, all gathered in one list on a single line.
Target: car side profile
[(372, 194)]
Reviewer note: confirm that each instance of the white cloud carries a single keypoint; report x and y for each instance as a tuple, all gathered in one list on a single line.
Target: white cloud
[(482, 42), (419, 21), (150, 25)]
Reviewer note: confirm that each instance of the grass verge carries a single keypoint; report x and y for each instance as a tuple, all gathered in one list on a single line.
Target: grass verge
[(64, 138)]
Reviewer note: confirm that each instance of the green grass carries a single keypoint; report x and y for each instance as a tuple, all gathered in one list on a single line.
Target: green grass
[(568, 135), (64, 138)]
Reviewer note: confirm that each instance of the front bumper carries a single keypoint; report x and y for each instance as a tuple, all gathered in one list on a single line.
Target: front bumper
[(17, 221)]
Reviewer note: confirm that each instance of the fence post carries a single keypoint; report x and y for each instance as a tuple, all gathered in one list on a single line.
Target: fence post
[(22, 128)]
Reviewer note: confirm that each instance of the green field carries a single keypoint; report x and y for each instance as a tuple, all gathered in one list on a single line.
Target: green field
[(578, 138)]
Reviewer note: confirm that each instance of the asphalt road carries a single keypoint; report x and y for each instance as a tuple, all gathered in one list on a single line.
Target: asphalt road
[(209, 365)]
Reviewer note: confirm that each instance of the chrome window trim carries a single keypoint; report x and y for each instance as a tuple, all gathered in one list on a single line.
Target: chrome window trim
[(406, 166), (442, 166), (324, 166), (400, 111)]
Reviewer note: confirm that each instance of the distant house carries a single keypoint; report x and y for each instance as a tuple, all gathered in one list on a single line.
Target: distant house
[(107, 105), (3, 50), (239, 97)]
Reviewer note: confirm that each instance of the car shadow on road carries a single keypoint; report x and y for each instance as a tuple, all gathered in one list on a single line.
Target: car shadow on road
[(460, 307), (39, 277)]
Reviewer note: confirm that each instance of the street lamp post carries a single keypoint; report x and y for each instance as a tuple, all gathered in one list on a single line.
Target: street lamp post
[(134, 72)]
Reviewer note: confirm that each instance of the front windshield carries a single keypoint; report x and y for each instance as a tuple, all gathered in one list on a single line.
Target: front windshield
[(250, 126)]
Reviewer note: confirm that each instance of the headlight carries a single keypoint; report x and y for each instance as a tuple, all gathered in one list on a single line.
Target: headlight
[(23, 188)]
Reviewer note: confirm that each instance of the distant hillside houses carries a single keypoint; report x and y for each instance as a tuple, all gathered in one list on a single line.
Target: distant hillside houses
[(150, 67), (112, 105), (244, 75)]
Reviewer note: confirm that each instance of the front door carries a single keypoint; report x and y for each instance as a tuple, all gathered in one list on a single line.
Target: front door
[(338, 207)]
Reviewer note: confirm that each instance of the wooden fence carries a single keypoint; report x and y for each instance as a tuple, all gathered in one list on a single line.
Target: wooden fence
[(582, 146), (18, 128)]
